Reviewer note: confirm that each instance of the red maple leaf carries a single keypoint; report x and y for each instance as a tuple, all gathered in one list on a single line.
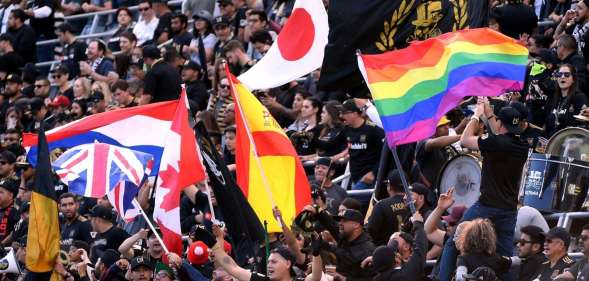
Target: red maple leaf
[(169, 180)]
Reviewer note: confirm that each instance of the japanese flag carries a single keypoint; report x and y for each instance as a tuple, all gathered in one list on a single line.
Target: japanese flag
[(297, 51)]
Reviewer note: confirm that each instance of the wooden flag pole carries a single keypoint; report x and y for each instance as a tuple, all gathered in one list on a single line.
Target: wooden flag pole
[(404, 180)]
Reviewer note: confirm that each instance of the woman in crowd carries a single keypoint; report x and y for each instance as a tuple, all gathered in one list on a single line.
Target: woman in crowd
[(79, 109), (82, 88), (305, 138), (203, 34), (567, 101), (300, 122), (125, 24), (329, 142)]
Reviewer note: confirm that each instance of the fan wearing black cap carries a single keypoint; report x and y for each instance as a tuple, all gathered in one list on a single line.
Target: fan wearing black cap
[(9, 215), (12, 93), (530, 250), (389, 264), (196, 89), (40, 112), (224, 32), (580, 270), (334, 193), (108, 235), (279, 267), (504, 155), (530, 132), (556, 246), (388, 214)]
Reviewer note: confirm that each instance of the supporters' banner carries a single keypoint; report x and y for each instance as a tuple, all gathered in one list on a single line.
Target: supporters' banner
[(140, 128), (43, 233), (243, 225), (376, 26), (414, 87), (180, 167), (269, 171), (297, 51)]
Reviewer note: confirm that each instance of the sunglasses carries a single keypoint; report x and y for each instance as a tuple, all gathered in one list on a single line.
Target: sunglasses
[(40, 86), (143, 9), (222, 86), (3, 163), (56, 76), (523, 242), (562, 74)]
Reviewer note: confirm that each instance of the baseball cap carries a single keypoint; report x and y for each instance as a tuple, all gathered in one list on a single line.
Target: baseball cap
[(482, 273), (559, 233), (202, 14), (510, 117), (198, 253), (521, 109), (159, 266), (395, 178), (221, 21), (11, 185), (351, 215), (141, 261), (63, 69), (151, 52), (36, 104), (14, 78), (190, 64), (221, 2), (455, 216), (443, 121), (60, 101), (350, 106), (8, 156), (101, 212), (383, 258), (325, 161)]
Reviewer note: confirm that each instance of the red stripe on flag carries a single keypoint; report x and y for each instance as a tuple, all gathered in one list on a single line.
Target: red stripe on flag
[(127, 165), (118, 206), (80, 158), (271, 143), (99, 175)]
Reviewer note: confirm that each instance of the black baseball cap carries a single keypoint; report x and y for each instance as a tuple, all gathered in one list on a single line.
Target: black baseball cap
[(395, 178), (10, 184), (221, 2), (221, 21), (559, 233), (521, 108), (351, 215), (190, 64), (325, 161), (62, 69), (14, 78), (101, 212), (350, 106), (141, 261), (36, 104), (151, 52), (510, 117)]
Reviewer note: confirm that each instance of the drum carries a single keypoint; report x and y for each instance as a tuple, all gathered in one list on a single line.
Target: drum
[(570, 142), (463, 172), (555, 184)]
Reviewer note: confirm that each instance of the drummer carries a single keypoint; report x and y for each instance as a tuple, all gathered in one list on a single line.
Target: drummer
[(433, 153), (504, 155), (530, 132)]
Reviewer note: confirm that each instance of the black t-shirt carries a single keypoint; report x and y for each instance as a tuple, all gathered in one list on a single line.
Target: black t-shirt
[(548, 273), (25, 42), (181, 40), (164, 25), (239, 20), (503, 160), (73, 54), (163, 82), (11, 62), (304, 141), (111, 239), (8, 218), (77, 230), (44, 26), (561, 112), (387, 217), (431, 162), (530, 267), (196, 91), (496, 262), (331, 143), (364, 146)]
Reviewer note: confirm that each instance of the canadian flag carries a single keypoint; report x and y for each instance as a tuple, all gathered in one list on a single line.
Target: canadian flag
[(297, 51), (180, 167)]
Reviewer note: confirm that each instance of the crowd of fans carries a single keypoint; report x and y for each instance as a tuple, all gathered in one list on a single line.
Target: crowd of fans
[(153, 51)]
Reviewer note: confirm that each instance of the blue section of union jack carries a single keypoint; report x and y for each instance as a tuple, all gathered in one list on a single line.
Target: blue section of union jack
[(121, 198), (93, 170)]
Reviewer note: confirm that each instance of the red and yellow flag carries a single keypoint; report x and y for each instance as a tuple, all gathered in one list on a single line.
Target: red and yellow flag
[(258, 134)]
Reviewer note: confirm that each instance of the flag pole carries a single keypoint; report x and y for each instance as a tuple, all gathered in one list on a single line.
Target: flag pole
[(404, 180), (253, 144), (209, 191), (159, 238)]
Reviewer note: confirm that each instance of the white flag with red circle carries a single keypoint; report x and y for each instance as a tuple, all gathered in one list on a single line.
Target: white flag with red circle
[(297, 51)]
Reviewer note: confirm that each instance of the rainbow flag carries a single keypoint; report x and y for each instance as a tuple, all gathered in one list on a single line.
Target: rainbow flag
[(414, 87), (269, 171)]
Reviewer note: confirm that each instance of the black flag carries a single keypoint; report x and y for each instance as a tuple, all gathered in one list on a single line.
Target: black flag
[(243, 225), (376, 26)]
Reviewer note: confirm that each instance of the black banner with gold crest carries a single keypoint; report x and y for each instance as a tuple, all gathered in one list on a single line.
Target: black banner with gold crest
[(376, 26)]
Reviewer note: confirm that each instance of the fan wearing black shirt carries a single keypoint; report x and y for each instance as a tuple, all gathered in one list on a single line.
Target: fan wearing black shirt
[(10, 61), (504, 156), (279, 267), (196, 89), (433, 152), (108, 236), (580, 270), (162, 81), (24, 35), (531, 248), (179, 26), (73, 226)]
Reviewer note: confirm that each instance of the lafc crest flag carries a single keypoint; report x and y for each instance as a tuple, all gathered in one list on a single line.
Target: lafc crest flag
[(376, 26), (43, 234), (243, 225)]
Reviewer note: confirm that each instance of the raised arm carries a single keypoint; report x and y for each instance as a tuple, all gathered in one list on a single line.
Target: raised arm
[(225, 261), (435, 235)]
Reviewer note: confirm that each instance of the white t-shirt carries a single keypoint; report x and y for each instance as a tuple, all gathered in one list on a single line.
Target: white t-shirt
[(144, 30)]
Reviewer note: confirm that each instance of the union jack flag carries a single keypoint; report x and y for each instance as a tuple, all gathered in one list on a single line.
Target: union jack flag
[(122, 198), (93, 170)]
